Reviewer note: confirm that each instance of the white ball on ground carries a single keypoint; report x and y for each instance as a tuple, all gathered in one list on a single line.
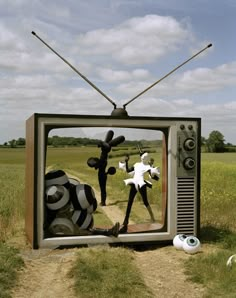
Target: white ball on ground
[(191, 245), (231, 260), (178, 241)]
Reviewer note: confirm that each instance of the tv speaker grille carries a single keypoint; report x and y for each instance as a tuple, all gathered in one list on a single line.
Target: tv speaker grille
[(186, 205)]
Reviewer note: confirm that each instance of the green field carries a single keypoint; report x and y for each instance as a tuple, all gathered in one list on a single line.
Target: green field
[(218, 187), (218, 203)]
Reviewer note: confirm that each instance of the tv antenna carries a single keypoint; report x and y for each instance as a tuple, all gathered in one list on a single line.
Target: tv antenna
[(120, 112)]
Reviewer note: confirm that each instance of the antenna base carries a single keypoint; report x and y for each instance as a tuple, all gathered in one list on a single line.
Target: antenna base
[(119, 112)]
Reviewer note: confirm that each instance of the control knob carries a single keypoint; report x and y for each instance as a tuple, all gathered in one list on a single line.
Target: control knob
[(189, 144), (189, 163)]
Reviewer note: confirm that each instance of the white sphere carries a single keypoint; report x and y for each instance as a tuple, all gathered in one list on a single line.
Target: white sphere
[(178, 241), (231, 260), (191, 245)]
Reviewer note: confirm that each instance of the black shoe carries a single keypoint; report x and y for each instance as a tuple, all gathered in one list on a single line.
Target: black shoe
[(115, 229), (123, 229), (103, 203)]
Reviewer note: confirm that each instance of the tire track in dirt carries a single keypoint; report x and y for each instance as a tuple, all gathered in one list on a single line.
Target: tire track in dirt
[(163, 272), (46, 274)]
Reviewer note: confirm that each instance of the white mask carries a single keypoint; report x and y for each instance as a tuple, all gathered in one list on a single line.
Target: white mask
[(144, 157)]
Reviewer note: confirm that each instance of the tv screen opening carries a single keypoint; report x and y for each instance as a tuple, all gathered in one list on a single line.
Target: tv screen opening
[(101, 179)]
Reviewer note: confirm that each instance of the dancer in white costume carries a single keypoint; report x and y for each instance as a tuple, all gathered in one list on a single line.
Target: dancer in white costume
[(137, 183)]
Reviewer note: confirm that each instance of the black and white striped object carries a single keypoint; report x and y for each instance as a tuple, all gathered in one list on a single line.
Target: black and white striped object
[(57, 196), (82, 196), (61, 226), (73, 181), (82, 219), (57, 177), (93, 206)]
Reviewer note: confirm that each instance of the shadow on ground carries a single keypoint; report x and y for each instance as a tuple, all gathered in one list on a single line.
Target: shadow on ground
[(218, 235)]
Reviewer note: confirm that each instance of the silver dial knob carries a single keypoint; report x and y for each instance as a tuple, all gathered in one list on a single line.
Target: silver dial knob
[(189, 144), (189, 163)]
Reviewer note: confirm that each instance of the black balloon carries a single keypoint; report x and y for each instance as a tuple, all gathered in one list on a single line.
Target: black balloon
[(101, 163)]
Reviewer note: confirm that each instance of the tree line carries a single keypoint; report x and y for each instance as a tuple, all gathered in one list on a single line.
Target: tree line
[(59, 141), (214, 143)]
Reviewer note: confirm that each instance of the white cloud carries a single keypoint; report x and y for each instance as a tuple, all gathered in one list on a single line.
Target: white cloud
[(196, 81), (109, 75), (112, 53), (8, 40), (136, 41), (231, 105), (206, 79), (183, 102)]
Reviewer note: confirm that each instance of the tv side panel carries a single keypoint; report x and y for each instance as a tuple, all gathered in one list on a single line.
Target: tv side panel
[(164, 180), (188, 178), (30, 183)]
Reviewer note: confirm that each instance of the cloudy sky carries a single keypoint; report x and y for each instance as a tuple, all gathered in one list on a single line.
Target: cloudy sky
[(122, 46)]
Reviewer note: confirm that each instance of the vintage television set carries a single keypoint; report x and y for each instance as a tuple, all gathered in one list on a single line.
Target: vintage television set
[(179, 184), (180, 176)]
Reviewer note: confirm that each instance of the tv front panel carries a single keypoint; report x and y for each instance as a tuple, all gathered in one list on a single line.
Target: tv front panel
[(180, 176)]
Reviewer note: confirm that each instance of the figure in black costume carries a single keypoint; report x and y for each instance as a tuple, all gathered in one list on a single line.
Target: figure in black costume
[(100, 164), (137, 183)]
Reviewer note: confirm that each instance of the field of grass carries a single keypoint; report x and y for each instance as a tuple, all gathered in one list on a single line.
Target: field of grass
[(218, 206), (218, 226), (97, 275), (10, 263), (218, 193), (12, 185)]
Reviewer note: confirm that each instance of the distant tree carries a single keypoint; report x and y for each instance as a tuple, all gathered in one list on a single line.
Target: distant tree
[(203, 141), (56, 141), (20, 142), (215, 142), (12, 143)]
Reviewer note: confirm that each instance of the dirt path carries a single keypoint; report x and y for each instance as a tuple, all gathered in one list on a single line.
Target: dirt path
[(163, 272), (45, 272)]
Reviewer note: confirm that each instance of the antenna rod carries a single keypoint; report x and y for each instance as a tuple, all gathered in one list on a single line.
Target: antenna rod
[(166, 75), (79, 73)]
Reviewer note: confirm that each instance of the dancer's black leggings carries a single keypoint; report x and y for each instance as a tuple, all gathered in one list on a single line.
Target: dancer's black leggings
[(132, 193), (102, 179)]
